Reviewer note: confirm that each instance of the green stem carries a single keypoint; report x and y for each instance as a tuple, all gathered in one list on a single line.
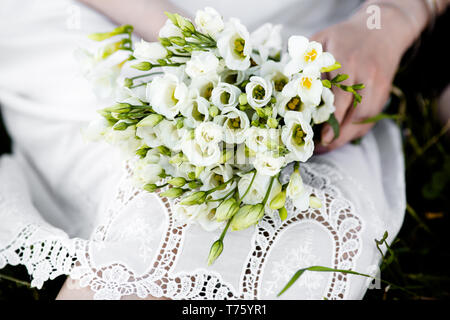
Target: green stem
[(220, 186), (20, 282), (248, 188), (147, 74), (268, 191)]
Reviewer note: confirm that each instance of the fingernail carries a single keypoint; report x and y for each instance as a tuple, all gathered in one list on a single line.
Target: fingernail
[(327, 136)]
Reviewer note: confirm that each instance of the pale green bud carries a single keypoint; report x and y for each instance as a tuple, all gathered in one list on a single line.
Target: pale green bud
[(278, 201), (283, 213), (150, 120), (143, 66), (172, 17), (127, 82), (335, 66), (142, 152), (198, 197), (178, 158), (314, 202), (247, 216), (165, 42), (226, 209), (243, 99), (195, 184), (172, 193), (198, 170), (213, 111), (272, 123), (120, 126), (177, 182), (192, 175), (164, 151), (150, 187), (260, 112), (185, 24), (180, 123), (178, 41), (215, 251)]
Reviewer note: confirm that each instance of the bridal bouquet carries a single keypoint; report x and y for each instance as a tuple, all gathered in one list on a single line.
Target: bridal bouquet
[(212, 114)]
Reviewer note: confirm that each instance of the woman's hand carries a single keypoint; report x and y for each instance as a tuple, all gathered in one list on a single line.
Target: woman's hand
[(370, 57)]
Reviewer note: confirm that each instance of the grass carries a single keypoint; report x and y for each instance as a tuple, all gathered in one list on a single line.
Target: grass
[(416, 259)]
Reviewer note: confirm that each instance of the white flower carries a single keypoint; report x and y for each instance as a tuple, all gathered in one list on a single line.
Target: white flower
[(232, 76), (208, 134), (214, 176), (258, 189), (235, 124), (167, 95), (199, 155), (149, 51), (303, 53), (125, 140), (149, 136), (168, 134), (259, 92), (273, 73), (201, 63), (259, 139), (289, 100), (297, 192), (95, 130), (146, 172), (195, 109), (267, 164), (308, 86), (170, 30), (206, 218), (204, 85), (209, 21), (234, 45), (267, 40), (225, 95), (188, 214), (322, 112), (297, 136)]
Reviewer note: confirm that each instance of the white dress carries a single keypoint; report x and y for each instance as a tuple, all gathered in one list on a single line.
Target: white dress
[(68, 207)]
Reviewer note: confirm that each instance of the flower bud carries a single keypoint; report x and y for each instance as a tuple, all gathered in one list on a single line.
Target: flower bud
[(226, 209), (150, 187), (278, 201), (272, 123), (178, 158), (195, 184), (314, 202), (180, 123), (143, 66), (195, 198), (198, 170), (215, 251), (192, 175), (165, 42), (172, 193), (127, 82), (164, 150), (185, 24), (150, 120), (178, 41), (120, 126), (243, 99), (247, 216), (142, 152), (213, 111), (177, 182), (283, 213)]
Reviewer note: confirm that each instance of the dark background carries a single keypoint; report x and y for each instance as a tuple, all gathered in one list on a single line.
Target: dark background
[(417, 260)]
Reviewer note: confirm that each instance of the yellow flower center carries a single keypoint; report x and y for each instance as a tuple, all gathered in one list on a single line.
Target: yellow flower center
[(279, 84), (294, 104), (311, 55), (259, 92), (207, 91), (234, 123), (298, 135), (306, 82), (225, 97), (239, 45)]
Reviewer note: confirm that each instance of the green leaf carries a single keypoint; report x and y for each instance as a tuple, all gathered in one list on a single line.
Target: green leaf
[(339, 78), (379, 117), (332, 121), (326, 83), (358, 86)]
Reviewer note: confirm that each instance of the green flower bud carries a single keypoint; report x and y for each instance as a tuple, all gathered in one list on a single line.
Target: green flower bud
[(195, 184), (142, 152), (226, 209), (165, 42), (272, 123), (180, 123), (143, 66), (178, 41), (260, 112), (335, 66), (213, 111), (247, 216), (120, 126), (283, 213), (172, 17), (215, 251), (185, 24), (273, 100), (162, 62), (172, 193), (278, 201), (177, 182), (150, 120), (192, 175), (106, 35), (150, 187), (164, 151), (198, 170), (314, 202), (198, 197), (243, 99), (178, 158), (127, 82)]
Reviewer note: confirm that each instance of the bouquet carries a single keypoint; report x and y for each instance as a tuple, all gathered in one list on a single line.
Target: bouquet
[(210, 115)]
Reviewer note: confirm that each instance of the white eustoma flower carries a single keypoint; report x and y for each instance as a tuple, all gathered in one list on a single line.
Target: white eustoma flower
[(201, 63), (188, 214), (208, 134), (95, 130), (297, 136), (149, 136), (234, 77), (308, 86), (235, 46), (170, 30), (209, 21), (225, 95), (258, 189), (322, 112), (267, 40), (259, 92), (200, 155), (235, 124), (214, 176), (125, 140), (204, 85), (297, 192), (149, 51), (195, 109), (259, 139), (146, 172), (303, 53), (289, 100), (168, 134), (206, 218), (273, 73), (167, 95), (267, 164)]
